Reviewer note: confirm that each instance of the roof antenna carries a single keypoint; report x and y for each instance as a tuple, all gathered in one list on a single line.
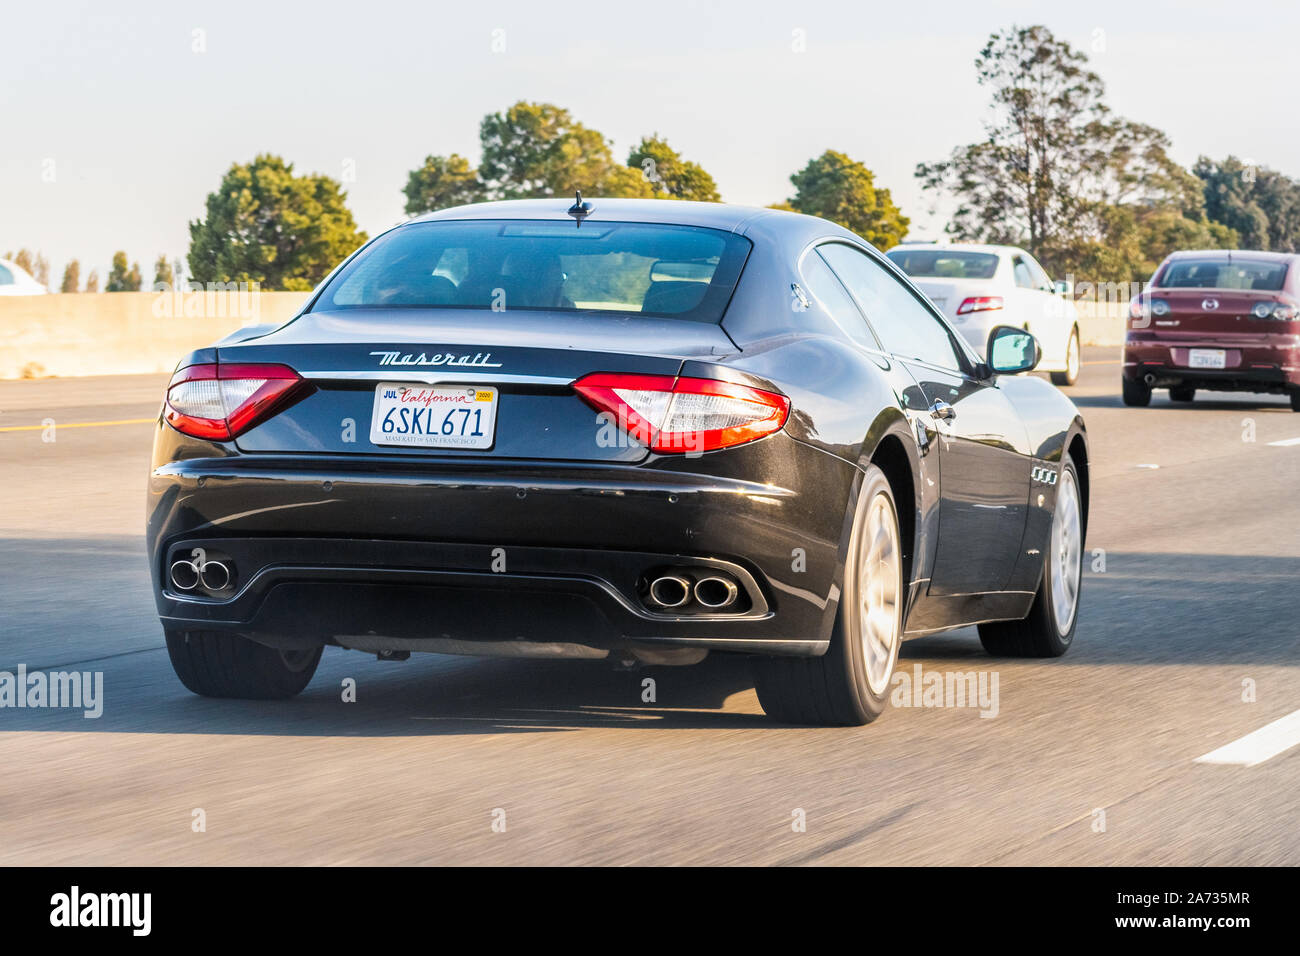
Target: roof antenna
[(579, 210)]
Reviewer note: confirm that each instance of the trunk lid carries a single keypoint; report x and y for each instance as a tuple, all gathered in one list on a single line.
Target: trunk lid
[(529, 358), (1211, 311)]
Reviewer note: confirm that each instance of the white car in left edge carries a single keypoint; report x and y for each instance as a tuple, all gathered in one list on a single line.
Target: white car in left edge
[(978, 287), (15, 280)]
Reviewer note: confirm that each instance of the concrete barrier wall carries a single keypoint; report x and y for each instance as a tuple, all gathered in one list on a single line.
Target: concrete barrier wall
[(120, 333), (1102, 323)]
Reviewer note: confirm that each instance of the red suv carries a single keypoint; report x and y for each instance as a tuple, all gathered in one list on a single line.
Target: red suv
[(1219, 320)]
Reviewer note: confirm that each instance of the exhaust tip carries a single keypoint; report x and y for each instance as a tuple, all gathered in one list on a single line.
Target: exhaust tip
[(184, 575), (716, 592), (1149, 378), (670, 591), (214, 575)]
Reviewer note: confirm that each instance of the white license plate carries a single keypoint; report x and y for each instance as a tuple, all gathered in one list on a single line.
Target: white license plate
[(1207, 358), (434, 416)]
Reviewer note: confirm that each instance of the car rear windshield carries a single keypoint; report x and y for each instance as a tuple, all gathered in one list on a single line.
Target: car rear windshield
[(1256, 274), (685, 272), (945, 264)]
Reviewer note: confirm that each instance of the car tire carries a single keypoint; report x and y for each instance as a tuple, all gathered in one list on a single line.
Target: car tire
[(1136, 394), (216, 664), (849, 684), (1048, 630), (1182, 394), (1072, 362), (1295, 400)]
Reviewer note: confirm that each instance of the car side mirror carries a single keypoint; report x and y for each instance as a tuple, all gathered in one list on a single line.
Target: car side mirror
[(1064, 287), (1011, 350)]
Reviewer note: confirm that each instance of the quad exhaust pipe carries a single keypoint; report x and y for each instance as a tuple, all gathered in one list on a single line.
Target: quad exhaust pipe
[(716, 593), (214, 575), (184, 575), (670, 590), (711, 592), (189, 575)]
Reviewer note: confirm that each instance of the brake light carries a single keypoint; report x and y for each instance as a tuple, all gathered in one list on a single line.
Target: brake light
[(979, 303), (1278, 311), (218, 402), (670, 415)]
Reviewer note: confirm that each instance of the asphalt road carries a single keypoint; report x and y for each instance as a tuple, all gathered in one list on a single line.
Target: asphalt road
[(1197, 604)]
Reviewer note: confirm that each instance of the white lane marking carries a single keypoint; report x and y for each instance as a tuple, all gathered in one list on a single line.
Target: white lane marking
[(37, 428), (1263, 744), (1146, 466), (1285, 442)]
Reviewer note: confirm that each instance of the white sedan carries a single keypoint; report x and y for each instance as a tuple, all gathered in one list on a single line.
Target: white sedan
[(981, 286), (15, 280)]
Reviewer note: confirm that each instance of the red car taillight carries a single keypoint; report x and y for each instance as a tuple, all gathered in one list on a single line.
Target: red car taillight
[(980, 303), (670, 415), (218, 402), (1278, 311)]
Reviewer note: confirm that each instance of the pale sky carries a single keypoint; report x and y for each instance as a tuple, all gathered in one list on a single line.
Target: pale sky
[(135, 128)]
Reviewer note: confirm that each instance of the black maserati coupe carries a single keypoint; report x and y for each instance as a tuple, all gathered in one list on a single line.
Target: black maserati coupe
[(643, 428)]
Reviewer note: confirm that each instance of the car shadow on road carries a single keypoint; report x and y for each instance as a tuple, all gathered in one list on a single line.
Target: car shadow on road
[(1151, 609), (1144, 610), (353, 694), (1264, 403)]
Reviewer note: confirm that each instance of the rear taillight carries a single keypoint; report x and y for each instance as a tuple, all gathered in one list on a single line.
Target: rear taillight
[(670, 415), (979, 303), (1278, 311), (219, 402)]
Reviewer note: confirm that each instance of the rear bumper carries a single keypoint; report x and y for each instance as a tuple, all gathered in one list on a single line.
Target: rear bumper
[(327, 550), (308, 591), (1266, 363)]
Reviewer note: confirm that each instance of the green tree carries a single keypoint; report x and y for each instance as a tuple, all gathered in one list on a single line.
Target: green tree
[(1259, 203), (92, 281), (441, 182), (121, 277), (163, 275), (844, 191), (670, 176), (1019, 184), (1083, 190), (535, 150), (1134, 239), (71, 277), (265, 224)]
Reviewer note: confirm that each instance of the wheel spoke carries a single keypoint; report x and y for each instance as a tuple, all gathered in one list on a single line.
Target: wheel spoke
[(1067, 552), (879, 574)]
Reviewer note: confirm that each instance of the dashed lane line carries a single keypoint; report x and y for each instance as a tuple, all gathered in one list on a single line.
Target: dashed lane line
[(1260, 745), (62, 425)]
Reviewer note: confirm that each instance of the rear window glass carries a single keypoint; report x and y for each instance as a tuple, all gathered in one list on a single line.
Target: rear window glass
[(684, 272), (945, 264), (1222, 274)]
